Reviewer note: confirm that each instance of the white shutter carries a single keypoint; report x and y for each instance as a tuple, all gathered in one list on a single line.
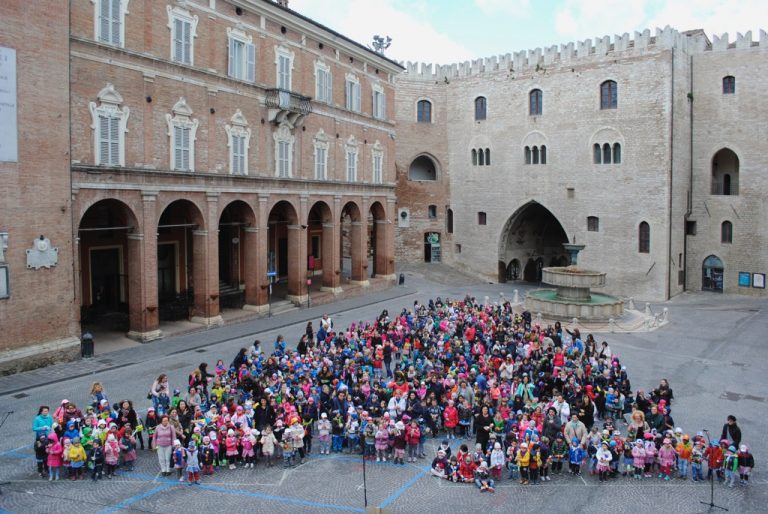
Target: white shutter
[(328, 87), (187, 42), (104, 20), (103, 149), (178, 44), (231, 68), (358, 107), (319, 86), (250, 62), (349, 95), (177, 152), (116, 22), (114, 141), (185, 132)]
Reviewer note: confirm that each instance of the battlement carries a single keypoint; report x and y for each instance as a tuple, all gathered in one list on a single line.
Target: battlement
[(538, 58)]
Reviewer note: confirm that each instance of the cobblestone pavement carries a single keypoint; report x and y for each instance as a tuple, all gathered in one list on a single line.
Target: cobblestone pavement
[(712, 351)]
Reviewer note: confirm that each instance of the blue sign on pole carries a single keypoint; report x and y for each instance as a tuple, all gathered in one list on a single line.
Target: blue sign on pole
[(271, 273)]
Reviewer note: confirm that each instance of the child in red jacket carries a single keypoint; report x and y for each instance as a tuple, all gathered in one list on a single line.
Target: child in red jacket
[(451, 417), (467, 470), (412, 436)]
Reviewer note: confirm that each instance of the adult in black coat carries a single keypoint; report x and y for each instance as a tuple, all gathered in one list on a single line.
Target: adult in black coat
[(731, 431)]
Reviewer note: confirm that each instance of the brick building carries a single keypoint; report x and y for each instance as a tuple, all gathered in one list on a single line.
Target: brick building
[(217, 146), (648, 149)]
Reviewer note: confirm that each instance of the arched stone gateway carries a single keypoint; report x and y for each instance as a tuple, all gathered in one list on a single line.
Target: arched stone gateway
[(533, 236), (286, 252), (237, 256)]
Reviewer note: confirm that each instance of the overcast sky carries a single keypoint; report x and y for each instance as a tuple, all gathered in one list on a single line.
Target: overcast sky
[(448, 31)]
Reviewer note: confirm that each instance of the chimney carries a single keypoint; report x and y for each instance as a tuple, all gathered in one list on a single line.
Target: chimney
[(282, 3)]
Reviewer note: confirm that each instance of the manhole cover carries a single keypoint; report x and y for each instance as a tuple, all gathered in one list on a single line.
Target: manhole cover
[(19, 396)]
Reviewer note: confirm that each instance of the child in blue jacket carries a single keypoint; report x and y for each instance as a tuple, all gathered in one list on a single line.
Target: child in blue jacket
[(575, 456)]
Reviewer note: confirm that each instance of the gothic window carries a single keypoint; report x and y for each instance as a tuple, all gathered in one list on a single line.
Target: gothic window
[(487, 156), (238, 141), (527, 155), (729, 85), (109, 124), (597, 154), (481, 106), (449, 221), (474, 157), (424, 111), (606, 153), (535, 155), (543, 154), (609, 94), (726, 232), (182, 129), (534, 101), (644, 238), (617, 153)]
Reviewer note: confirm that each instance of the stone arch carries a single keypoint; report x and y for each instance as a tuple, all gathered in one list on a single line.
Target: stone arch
[(531, 234), (236, 219), (725, 166), (108, 262), (535, 138), (377, 240), (424, 167), (352, 241), (183, 260), (321, 243)]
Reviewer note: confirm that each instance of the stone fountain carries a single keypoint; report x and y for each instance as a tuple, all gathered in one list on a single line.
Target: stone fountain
[(573, 297)]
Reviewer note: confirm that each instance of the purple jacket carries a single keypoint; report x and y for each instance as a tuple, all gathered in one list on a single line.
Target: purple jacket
[(164, 436)]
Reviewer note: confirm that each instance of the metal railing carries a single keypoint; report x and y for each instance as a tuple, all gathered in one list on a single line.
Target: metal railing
[(288, 101)]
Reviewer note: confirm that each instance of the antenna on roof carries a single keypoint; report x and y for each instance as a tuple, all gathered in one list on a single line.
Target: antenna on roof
[(381, 43)]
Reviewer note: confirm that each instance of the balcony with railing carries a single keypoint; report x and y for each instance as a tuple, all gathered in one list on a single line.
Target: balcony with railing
[(287, 106)]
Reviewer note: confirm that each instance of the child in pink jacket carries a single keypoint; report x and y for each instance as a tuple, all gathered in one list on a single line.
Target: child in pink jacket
[(54, 451), (666, 459)]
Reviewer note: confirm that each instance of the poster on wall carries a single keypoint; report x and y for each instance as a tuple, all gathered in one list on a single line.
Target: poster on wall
[(744, 278), (758, 280), (9, 137)]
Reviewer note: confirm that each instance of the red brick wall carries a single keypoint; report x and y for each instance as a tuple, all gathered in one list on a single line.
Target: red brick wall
[(35, 192)]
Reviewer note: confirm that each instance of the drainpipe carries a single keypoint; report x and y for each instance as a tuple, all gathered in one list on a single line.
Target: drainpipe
[(689, 209), (671, 174)]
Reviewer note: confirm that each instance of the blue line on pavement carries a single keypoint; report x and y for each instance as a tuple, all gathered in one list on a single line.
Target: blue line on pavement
[(394, 496), (15, 451), (281, 499), (135, 498)]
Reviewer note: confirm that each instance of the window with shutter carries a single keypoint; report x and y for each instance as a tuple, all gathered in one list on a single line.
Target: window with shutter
[(109, 19), (250, 62), (284, 74), (105, 21), (115, 16), (183, 27), (109, 123), (377, 169)]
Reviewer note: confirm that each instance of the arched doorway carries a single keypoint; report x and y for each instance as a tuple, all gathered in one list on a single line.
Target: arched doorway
[(432, 247), (285, 265), (532, 235), (377, 240), (513, 270), (353, 244), (108, 261), (712, 274), (234, 254), (320, 244), (725, 173), (182, 254)]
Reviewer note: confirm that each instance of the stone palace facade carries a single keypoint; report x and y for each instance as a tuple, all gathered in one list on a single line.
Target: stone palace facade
[(651, 150)]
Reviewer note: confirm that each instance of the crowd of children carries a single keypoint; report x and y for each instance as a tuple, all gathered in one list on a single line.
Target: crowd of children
[(533, 398)]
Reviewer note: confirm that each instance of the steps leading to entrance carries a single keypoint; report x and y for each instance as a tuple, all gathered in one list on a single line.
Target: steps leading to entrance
[(282, 307)]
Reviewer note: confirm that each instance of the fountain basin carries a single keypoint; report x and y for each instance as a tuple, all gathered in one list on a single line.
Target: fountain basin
[(597, 307)]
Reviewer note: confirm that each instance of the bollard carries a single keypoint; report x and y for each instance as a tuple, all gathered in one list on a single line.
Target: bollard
[(631, 305), (516, 297), (86, 345), (664, 315), (648, 309), (612, 324)]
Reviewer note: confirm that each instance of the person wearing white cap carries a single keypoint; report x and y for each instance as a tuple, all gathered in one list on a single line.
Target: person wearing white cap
[(324, 433)]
